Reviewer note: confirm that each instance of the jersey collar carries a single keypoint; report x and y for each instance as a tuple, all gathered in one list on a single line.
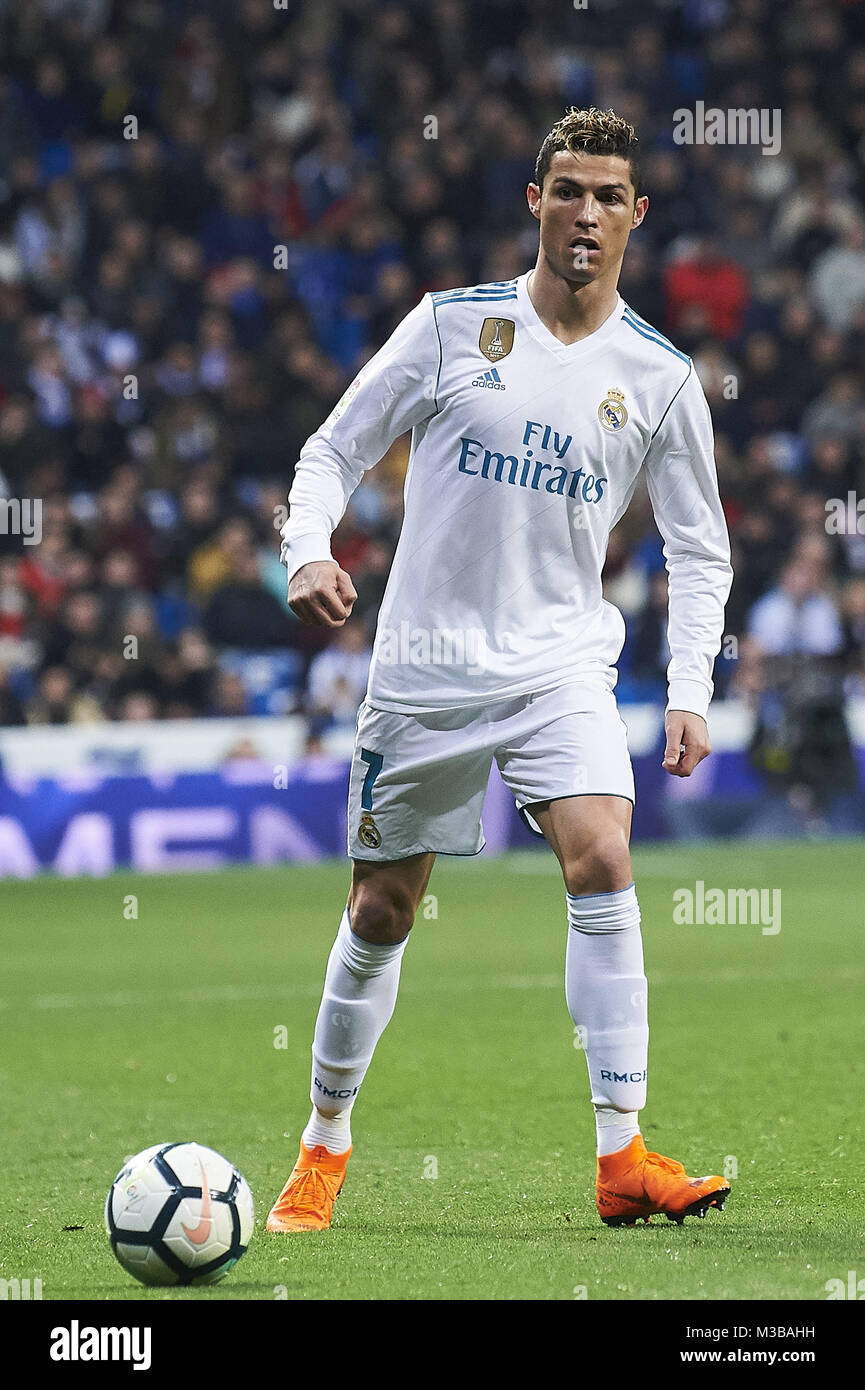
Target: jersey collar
[(539, 330)]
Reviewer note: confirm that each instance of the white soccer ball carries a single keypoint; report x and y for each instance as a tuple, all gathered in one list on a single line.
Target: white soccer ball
[(179, 1214)]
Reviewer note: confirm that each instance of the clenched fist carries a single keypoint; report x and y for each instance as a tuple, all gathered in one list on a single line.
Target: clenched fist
[(687, 742), (322, 594)]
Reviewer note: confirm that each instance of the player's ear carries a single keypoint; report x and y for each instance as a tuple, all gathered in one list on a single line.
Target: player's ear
[(641, 207), (533, 198)]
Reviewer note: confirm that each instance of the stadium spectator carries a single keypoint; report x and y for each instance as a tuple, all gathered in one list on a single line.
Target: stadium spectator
[(706, 292), (56, 701), (243, 613), (837, 279), (338, 676), (12, 711), (649, 648), (798, 618)]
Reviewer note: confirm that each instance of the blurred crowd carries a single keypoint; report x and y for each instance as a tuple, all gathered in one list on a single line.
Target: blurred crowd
[(211, 216)]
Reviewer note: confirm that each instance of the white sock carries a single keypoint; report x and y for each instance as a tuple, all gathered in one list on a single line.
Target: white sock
[(359, 998), (615, 1128), (606, 989), (333, 1132)]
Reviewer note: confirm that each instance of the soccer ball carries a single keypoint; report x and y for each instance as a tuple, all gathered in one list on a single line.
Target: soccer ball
[(179, 1214)]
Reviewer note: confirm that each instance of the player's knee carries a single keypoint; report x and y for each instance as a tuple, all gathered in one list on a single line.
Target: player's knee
[(603, 865), (380, 914)]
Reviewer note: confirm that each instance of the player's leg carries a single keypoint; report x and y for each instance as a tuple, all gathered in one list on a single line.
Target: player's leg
[(567, 763), (416, 789), (605, 982), (357, 1003), (606, 991), (360, 989)]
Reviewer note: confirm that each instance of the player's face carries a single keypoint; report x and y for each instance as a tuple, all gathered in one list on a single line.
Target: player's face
[(587, 211)]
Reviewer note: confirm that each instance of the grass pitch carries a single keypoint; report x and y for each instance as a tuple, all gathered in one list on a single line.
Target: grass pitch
[(473, 1170)]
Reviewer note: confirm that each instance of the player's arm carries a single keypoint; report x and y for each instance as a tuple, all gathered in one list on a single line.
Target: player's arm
[(391, 394), (683, 488)]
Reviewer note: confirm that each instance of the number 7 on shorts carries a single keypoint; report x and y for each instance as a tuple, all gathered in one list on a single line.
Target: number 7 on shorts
[(374, 762)]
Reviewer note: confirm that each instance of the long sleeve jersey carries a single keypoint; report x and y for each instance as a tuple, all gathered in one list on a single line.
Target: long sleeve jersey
[(525, 452)]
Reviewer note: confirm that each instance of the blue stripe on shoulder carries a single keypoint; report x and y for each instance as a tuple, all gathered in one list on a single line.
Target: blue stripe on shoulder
[(475, 299), (494, 287), (644, 323), (492, 290), (654, 337), (648, 327), (470, 294), (651, 329)]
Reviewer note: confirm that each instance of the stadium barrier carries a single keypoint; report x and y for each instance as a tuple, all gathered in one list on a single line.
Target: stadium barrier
[(198, 794), (88, 824)]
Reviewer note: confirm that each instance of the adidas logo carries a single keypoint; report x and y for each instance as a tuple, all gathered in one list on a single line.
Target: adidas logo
[(491, 380)]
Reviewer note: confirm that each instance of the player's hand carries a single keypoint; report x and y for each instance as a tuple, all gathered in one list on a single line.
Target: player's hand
[(687, 742), (322, 594)]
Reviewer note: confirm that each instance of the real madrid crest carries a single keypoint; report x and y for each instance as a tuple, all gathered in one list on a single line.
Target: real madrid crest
[(497, 338), (611, 412), (368, 832)]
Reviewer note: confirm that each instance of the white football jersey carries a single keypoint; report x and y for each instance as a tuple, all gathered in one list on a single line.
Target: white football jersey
[(524, 454)]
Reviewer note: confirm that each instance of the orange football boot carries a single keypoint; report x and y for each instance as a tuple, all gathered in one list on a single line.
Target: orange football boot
[(634, 1184), (306, 1201)]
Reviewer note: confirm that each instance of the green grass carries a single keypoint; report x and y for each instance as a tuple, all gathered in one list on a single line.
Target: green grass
[(120, 1033)]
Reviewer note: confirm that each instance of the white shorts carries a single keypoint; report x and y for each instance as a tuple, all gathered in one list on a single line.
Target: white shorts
[(418, 780)]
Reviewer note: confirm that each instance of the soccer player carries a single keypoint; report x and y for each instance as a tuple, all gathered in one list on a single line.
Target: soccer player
[(534, 406)]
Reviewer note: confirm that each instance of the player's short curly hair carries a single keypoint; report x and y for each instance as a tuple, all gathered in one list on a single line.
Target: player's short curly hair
[(590, 131)]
